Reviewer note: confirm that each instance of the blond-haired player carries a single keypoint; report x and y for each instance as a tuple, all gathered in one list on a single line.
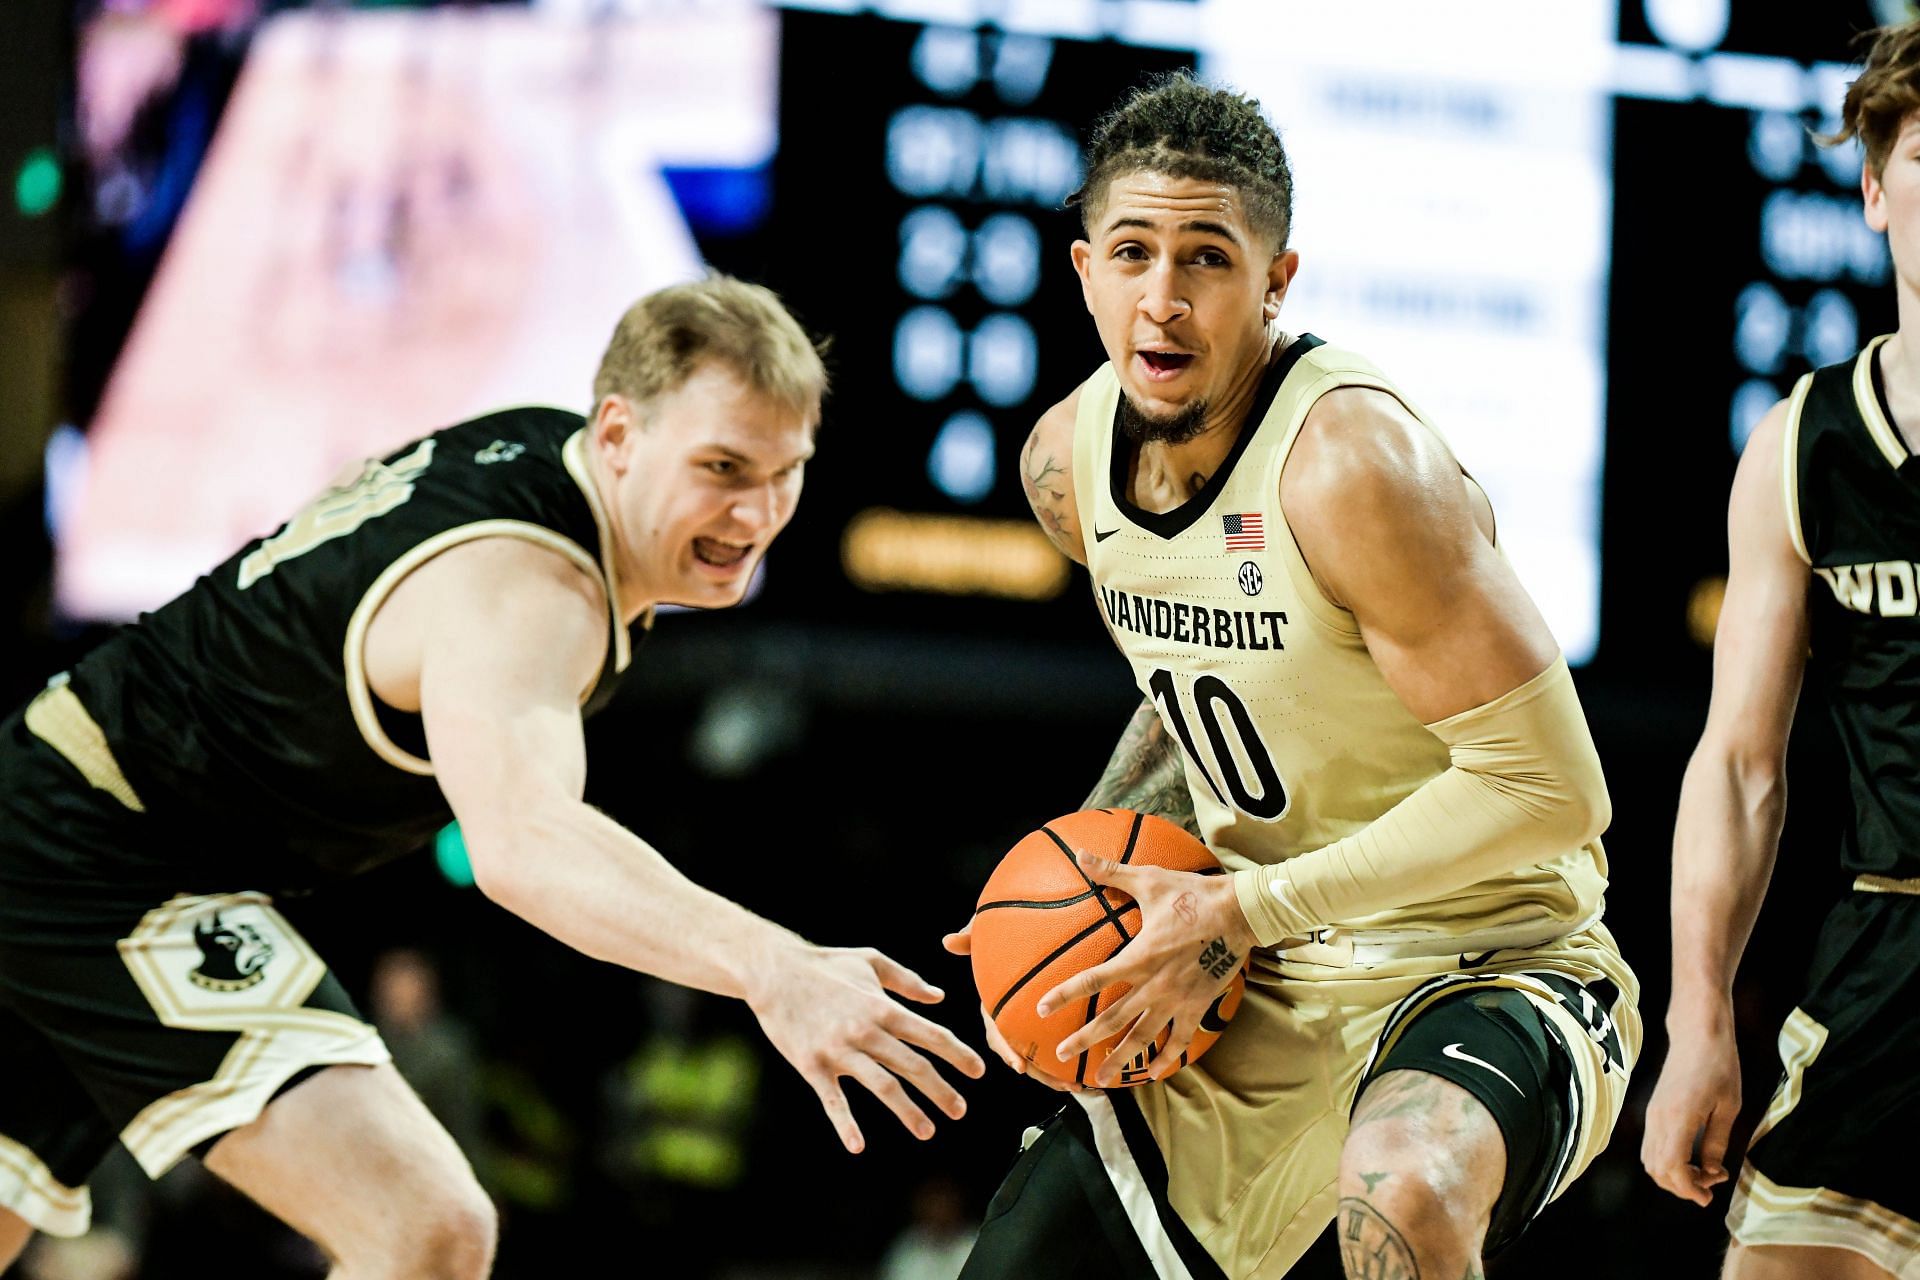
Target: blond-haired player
[(421, 642), (1823, 529)]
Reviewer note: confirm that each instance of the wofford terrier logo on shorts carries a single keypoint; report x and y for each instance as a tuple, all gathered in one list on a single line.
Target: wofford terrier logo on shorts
[(233, 957)]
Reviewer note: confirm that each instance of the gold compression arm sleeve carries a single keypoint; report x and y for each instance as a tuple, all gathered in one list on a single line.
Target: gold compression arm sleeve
[(1524, 786)]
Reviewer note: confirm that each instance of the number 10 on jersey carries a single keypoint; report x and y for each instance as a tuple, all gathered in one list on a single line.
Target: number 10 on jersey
[(1208, 696)]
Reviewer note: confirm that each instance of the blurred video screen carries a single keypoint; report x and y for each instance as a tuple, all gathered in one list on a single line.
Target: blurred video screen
[(405, 219)]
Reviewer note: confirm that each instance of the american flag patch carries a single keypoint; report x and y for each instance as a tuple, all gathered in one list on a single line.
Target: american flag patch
[(1246, 531)]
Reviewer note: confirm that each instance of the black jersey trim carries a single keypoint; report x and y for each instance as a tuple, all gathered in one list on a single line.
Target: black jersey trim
[(574, 455), (360, 693), (1171, 524), (1870, 398)]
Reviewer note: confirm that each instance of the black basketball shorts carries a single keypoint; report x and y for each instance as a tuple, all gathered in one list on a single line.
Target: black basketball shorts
[(133, 1005)]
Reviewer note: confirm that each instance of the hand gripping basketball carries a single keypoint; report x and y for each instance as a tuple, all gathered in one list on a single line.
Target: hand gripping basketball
[(1137, 960)]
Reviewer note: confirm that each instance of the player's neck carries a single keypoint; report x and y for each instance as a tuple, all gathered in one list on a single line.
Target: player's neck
[(1188, 466), (635, 594), (1900, 373)]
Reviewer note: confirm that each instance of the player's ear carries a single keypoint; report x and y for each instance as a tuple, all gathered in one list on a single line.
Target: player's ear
[(1279, 276), (1082, 264), (613, 426)]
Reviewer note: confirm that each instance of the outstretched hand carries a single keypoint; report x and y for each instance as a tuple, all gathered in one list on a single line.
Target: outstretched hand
[(1193, 938), (828, 1012)]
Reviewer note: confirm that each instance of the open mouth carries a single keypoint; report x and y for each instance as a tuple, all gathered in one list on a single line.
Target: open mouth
[(721, 555), (1165, 364)]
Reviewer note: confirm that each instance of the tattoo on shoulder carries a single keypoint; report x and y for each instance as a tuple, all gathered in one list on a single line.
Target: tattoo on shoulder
[(1045, 480), (1371, 1248)]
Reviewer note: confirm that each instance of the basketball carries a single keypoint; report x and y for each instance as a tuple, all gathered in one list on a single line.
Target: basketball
[(1039, 921)]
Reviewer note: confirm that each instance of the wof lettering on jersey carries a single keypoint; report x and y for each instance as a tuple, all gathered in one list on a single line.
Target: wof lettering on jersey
[(1199, 624), (1886, 588)]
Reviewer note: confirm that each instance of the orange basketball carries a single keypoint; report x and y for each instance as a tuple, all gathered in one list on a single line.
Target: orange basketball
[(1040, 921)]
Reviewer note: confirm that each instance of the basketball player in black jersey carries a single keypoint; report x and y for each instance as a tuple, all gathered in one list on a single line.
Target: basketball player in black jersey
[(1823, 529), (420, 643)]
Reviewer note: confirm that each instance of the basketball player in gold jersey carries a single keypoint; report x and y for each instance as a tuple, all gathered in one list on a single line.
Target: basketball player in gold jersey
[(1822, 528), (1353, 700)]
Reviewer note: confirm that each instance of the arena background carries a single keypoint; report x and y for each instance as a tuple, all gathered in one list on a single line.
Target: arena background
[(242, 241)]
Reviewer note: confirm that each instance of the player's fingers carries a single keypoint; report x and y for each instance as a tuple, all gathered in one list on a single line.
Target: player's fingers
[(960, 941), (884, 1085), (1178, 1040), (1084, 985), (1714, 1138), (1114, 1020), (1105, 870), (920, 1073), (1133, 1045), (834, 1102), (997, 1042), (904, 1024), (897, 978), (1664, 1154)]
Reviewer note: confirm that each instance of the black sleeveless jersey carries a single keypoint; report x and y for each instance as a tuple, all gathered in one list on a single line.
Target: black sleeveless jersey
[(240, 712), (1853, 509)]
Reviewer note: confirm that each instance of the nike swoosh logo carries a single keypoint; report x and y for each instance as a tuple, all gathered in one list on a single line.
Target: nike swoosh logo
[(1102, 536), (1453, 1051)]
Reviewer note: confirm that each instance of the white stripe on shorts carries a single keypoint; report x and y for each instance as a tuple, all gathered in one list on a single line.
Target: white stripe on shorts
[(1131, 1187)]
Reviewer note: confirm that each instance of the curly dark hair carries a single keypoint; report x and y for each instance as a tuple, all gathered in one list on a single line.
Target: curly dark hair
[(1177, 126), (1885, 94)]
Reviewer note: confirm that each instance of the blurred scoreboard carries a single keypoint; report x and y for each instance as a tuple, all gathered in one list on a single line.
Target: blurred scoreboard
[(1592, 239), (919, 219), (1741, 261)]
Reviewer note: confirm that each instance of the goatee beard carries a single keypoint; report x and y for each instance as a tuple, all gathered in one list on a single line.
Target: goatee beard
[(1176, 428)]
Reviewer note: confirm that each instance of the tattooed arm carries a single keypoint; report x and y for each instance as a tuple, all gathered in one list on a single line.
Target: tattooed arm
[(1146, 773), (1046, 473)]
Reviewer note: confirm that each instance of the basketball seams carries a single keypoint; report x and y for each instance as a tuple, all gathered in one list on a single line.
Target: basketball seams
[(1033, 904), (1066, 851), (1037, 969), (1008, 935), (1133, 837)]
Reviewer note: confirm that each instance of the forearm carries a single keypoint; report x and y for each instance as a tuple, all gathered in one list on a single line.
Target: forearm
[(1146, 773), (1524, 786), (574, 873), (1724, 843)]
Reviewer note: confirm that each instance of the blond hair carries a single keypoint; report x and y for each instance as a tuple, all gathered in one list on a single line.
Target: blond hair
[(1886, 92), (664, 336)]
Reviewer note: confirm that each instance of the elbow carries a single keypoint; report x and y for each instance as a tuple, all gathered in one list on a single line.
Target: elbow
[(1589, 812), (490, 856)]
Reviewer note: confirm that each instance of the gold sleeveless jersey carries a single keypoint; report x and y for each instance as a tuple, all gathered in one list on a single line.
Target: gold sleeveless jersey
[(1291, 736)]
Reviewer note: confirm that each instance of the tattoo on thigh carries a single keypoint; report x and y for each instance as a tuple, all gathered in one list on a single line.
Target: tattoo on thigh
[(1373, 1180), (1371, 1248)]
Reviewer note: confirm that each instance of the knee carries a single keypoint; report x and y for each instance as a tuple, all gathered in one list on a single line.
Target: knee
[(1400, 1211), (444, 1233), (456, 1235), (1410, 1201)]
